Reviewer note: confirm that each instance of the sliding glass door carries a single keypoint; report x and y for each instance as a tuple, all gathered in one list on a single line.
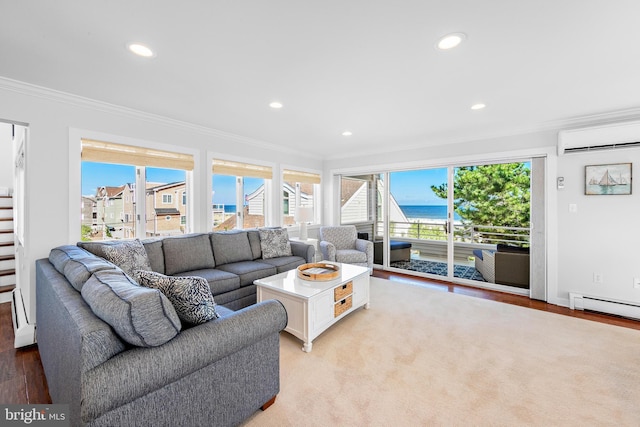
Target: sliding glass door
[(491, 227), (466, 222), (418, 224)]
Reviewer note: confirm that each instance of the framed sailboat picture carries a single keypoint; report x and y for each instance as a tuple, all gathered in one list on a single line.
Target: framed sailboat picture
[(608, 179)]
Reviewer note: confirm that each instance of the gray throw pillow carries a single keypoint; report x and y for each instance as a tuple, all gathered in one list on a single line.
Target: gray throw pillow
[(191, 296), (140, 316), (274, 242), (231, 246), (187, 253), (129, 255)]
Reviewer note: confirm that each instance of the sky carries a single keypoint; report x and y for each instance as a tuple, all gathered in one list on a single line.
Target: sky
[(414, 187)]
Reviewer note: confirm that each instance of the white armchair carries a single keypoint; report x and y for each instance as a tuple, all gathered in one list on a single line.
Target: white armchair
[(341, 244)]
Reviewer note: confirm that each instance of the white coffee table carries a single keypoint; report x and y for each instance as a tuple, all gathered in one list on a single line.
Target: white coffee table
[(313, 306)]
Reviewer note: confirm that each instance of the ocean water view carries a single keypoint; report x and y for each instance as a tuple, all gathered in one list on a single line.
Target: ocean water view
[(436, 212)]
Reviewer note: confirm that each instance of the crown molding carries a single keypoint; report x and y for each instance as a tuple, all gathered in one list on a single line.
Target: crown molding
[(105, 107)]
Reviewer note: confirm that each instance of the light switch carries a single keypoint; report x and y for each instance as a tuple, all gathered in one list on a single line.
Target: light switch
[(573, 208)]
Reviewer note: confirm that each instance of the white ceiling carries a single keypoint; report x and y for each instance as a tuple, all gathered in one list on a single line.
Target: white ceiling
[(369, 66)]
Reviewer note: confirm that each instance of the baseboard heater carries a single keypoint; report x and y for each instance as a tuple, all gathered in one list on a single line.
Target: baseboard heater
[(24, 332), (604, 305)]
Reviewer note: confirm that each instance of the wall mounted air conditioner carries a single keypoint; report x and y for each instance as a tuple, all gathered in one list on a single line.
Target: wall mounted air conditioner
[(604, 137)]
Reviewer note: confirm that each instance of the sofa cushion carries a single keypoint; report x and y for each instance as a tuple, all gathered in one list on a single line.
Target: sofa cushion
[(231, 246), (191, 252), (78, 271), (155, 254), (60, 255), (140, 316), (254, 241), (274, 242), (190, 296), (285, 263), (219, 281), (129, 255), (249, 271)]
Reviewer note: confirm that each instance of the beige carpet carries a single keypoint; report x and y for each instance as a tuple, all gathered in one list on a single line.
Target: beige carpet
[(421, 357)]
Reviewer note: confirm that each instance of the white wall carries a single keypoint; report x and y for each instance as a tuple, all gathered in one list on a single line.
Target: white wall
[(52, 117), (602, 236), (6, 156)]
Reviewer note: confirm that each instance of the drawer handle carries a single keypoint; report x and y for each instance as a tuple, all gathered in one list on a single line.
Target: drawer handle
[(344, 287), (344, 301)]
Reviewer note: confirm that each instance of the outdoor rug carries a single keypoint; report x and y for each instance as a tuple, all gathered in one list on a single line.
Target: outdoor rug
[(439, 268)]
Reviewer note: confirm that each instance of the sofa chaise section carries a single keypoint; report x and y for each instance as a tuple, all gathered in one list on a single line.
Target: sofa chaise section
[(215, 373)]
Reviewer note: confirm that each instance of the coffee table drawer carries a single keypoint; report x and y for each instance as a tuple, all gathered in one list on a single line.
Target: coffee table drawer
[(342, 291), (342, 306)]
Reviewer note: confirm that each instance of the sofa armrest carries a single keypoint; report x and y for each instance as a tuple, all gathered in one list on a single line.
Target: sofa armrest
[(304, 250), (328, 250), (512, 269), (140, 371)]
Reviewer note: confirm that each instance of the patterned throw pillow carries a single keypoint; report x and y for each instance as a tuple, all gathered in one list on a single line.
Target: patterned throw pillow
[(129, 255), (191, 296), (274, 242)]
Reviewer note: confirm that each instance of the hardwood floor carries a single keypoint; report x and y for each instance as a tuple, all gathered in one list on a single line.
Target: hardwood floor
[(22, 378)]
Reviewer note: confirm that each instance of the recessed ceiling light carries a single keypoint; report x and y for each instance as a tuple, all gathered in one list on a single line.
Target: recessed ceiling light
[(450, 41), (141, 50), (478, 106), (347, 133), (275, 104)]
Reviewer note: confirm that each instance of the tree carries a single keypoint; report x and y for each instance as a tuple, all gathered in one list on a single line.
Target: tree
[(85, 233), (496, 195)]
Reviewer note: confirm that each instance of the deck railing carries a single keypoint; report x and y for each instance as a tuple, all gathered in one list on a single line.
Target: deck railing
[(463, 233)]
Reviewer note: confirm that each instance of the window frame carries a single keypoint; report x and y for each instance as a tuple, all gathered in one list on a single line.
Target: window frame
[(76, 136)]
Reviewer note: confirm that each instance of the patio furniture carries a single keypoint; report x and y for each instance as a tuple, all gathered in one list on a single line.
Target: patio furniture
[(398, 251), (507, 265)]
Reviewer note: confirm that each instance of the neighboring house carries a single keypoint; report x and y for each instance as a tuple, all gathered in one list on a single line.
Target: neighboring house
[(355, 206), (109, 209), (89, 212), (166, 209)]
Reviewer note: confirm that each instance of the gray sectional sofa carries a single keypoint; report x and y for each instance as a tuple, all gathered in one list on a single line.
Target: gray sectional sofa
[(216, 373), (230, 261)]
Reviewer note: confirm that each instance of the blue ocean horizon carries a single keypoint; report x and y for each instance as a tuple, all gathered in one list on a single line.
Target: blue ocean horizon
[(427, 212), (438, 212)]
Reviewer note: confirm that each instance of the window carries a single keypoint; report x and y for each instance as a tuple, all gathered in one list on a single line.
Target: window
[(183, 219), (111, 173), (239, 194), (184, 198), (354, 199), (298, 189)]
